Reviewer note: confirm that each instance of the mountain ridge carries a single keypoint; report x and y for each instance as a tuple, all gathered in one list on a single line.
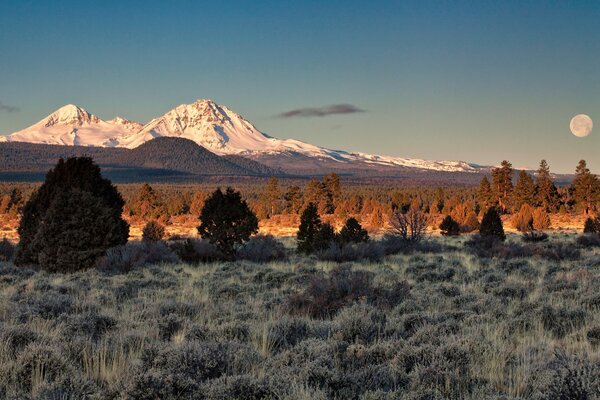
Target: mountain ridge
[(214, 127)]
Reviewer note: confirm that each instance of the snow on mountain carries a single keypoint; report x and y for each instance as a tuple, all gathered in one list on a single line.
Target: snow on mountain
[(74, 126), (212, 126)]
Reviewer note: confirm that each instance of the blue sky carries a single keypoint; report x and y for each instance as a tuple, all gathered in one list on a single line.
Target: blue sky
[(479, 81)]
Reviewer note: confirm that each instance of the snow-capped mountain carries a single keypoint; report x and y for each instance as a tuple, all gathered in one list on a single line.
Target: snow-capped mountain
[(74, 126), (212, 126)]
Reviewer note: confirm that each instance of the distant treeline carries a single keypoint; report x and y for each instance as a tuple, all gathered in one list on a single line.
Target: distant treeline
[(369, 203)]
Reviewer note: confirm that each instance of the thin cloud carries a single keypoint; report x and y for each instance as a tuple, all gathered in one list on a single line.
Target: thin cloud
[(322, 111), (8, 108)]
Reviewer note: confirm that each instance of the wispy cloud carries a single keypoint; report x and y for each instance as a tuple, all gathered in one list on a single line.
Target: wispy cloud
[(322, 111), (8, 108)]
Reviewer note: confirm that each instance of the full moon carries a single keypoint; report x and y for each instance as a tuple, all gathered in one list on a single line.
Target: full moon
[(581, 125)]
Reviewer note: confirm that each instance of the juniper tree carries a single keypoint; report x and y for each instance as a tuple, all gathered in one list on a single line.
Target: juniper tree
[(227, 221), (353, 232), (491, 225), (449, 227), (81, 177), (153, 232), (310, 224)]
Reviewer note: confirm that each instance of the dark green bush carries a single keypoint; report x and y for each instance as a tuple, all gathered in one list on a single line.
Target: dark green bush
[(262, 248), (73, 218), (449, 227), (227, 221), (353, 232), (153, 232), (491, 225)]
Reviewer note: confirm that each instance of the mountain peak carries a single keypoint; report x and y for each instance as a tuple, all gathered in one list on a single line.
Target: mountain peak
[(70, 114)]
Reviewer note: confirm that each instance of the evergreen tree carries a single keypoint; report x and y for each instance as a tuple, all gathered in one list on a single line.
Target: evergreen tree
[(585, 188), (92, 220), (524, 192), (16, 202), (333, 188), (502, 184), (227, 221), (153, 232), (324, 237), (485, 194), (317, 194), (353, 232), (449, 227), (148, 203), (546, 193), (293, 199), (76, 230), (272, 197), (491, 225), (310, 224)]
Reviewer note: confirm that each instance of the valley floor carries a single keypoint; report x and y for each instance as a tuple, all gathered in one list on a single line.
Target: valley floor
[(444, 325)]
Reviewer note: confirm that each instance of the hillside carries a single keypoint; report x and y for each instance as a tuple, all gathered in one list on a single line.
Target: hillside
[(157, 158)]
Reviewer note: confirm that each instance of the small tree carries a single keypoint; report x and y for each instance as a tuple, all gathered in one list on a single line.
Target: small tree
[(491, 225), (72, 218), (409, 226), (449, 227), (153, 232), (77, 230), (353, 232), (310, 224), (227, 221), (324, 237)]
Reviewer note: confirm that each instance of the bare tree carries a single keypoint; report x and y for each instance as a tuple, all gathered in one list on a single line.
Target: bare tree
[(409, 226)]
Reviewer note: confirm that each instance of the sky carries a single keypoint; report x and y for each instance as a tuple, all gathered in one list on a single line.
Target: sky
[(479, 81)]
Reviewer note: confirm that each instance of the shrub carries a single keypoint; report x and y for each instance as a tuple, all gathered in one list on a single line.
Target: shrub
[(360, 322), (562, 321), (491, 225), (353, 232), (34, 359), (523, 220), (576, 379), (534, 237), (541, 219), (262, 248), (195, 251), (372, 251), (588, 240), (409, 226), (470, 223), (6, 250), (136, 255), (72, 219), (240, 387), (592, 225), (153, 232), (449, 227), (325, 296), (227, 221)]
